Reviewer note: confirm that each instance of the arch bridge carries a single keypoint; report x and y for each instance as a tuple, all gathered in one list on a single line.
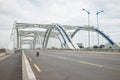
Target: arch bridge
[(32, 34)]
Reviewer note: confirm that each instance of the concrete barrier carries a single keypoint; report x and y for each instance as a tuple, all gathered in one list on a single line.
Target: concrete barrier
[(27, 73)]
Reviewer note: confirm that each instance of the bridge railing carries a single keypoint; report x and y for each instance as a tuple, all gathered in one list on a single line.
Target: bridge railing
[(90, 50), (101, 50)]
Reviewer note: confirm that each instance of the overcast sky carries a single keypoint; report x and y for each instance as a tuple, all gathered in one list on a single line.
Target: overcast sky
[(59, 11)]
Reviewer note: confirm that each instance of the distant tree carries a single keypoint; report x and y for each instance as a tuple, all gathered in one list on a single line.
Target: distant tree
[(110, 47), (2, 50), (81, 46), (102, 46), (95, 46), (54, 47)]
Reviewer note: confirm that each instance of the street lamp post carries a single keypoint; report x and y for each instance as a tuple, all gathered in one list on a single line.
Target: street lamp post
[(88, 25), (98, 12)]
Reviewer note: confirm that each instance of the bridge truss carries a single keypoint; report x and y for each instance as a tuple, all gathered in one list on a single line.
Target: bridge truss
[(32, 34)]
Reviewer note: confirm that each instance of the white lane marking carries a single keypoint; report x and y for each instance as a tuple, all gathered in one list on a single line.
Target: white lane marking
[(84, 62), (38, 69)]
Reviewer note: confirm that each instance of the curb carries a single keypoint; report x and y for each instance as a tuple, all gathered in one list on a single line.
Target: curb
[(27, 73)]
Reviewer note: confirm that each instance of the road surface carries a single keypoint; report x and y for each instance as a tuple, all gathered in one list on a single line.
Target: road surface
[(11, 67), (73, 65)]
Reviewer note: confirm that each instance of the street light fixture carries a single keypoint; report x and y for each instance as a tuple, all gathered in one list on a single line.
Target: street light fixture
[(88, 25), (98, 12)]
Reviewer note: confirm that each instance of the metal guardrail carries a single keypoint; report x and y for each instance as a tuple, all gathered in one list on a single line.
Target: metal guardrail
[(95, 50), (102, 50)]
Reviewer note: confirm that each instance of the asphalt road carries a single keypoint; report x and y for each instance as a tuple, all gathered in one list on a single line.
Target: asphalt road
[(73, 65), (11, 67)]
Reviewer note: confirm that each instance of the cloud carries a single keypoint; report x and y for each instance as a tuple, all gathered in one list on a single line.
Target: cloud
[(60, 11)]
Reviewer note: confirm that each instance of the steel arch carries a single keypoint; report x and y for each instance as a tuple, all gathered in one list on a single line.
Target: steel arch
[(93, 29)]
